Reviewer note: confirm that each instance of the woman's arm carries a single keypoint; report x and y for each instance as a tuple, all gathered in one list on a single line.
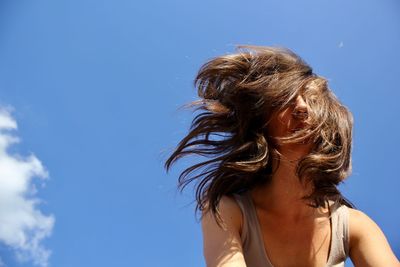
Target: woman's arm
[(222, 247), (368, 245)]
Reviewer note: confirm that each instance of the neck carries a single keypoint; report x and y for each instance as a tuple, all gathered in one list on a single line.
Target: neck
[(284, 195)]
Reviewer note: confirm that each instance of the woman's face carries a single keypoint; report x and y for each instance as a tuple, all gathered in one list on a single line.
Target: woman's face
[(285, 123)]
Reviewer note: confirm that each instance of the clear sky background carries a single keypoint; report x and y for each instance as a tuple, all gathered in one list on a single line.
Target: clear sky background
[(94, 87)]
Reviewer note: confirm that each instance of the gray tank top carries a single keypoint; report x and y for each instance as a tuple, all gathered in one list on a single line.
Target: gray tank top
[(253, 244)]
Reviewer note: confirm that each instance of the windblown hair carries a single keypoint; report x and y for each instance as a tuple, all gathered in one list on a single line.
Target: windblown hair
[(239, 93)]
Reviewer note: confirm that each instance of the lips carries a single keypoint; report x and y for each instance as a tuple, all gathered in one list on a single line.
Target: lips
[(298, 127)]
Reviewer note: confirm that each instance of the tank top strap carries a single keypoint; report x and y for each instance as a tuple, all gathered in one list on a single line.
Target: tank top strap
[(252, 242), (242, 202), (340, 235)]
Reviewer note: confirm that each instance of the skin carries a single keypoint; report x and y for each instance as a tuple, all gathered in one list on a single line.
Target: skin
[(294, 233)]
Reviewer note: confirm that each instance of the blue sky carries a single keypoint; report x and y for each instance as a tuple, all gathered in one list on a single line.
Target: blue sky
[(95, 86)]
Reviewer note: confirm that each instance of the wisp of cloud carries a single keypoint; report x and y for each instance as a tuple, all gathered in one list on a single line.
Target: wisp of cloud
[(22, 225)]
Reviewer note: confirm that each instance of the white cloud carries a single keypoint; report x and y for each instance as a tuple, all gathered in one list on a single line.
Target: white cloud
[(22, 225)]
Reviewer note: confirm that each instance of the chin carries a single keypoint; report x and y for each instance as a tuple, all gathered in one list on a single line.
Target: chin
[(295, 151)]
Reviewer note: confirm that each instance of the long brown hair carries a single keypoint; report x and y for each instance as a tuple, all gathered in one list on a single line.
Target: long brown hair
[(238, 95)]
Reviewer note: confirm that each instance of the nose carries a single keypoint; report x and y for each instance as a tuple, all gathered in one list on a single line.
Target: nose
[(300, 109), (300, 114), (300, 103)]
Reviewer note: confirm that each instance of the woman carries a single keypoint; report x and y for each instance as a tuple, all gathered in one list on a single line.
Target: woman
[(277, 142)]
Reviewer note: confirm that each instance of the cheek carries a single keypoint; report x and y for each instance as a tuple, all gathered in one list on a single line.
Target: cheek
[(280, 126)]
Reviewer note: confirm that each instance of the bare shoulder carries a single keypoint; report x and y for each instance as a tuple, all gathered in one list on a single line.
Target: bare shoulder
[(230, 213), (359, 222), (222, 246), (368, 244)]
